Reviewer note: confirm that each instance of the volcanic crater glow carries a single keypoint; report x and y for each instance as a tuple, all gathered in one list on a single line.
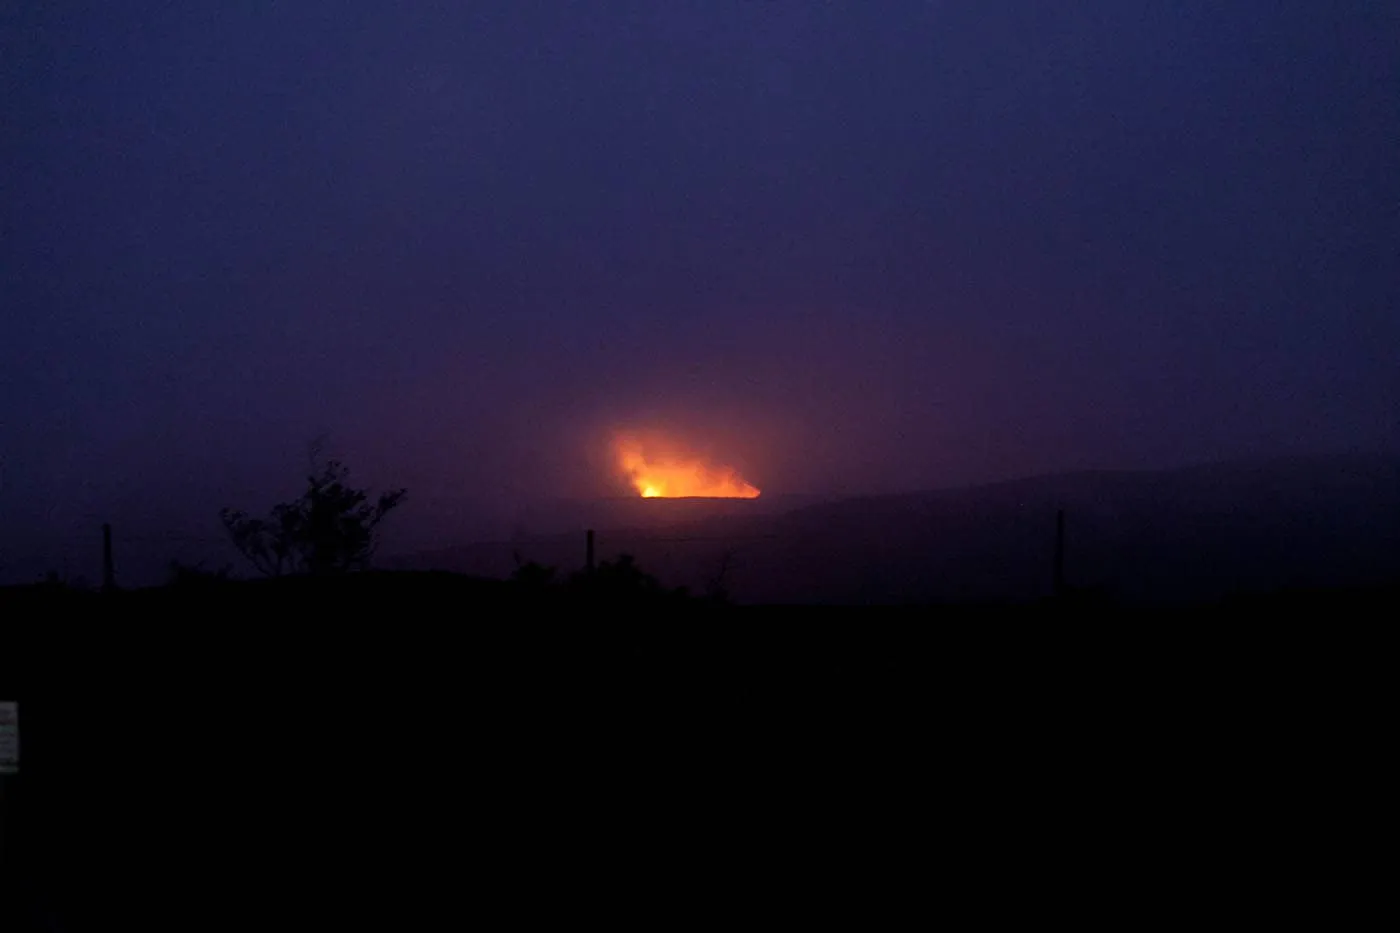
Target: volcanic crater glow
[(667, 475)]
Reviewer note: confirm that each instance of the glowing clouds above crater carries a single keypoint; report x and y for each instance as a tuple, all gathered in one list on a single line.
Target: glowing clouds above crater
[(659, 471)]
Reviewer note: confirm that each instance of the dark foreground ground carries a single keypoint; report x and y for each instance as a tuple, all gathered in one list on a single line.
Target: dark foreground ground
[(414, 752)]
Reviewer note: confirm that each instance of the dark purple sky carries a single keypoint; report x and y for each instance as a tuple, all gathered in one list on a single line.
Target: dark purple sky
[(861, 247)]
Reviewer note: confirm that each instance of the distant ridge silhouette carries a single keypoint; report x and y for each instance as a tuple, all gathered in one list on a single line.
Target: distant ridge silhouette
[(1199, 532)]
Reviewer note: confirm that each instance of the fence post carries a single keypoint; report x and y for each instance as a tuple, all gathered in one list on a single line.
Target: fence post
[(109, 578), (1060, 553), (9, 765)]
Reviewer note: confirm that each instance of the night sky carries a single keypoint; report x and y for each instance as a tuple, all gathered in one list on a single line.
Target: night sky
[(844, 247)]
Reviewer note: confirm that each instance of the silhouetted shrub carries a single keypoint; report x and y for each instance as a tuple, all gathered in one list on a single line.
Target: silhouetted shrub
[(330, 529), (623, 581), (532, 575), (196, 575)]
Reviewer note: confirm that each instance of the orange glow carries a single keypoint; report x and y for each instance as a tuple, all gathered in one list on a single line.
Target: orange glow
[(666, 475)]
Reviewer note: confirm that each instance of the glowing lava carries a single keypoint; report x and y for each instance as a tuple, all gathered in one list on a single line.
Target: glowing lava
[(669, 476)]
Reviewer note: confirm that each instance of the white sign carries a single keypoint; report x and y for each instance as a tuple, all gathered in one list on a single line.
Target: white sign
[(9, 737)]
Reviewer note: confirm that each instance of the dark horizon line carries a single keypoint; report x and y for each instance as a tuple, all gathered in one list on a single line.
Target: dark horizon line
[(1244, 460)]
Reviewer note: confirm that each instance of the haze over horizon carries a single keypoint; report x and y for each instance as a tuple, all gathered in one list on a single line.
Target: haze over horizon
[(834, 248)]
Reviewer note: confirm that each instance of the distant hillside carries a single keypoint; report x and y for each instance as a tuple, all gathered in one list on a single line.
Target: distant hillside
[(1184, 535)]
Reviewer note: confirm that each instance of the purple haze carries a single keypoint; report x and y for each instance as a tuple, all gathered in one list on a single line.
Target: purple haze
[(849, 247)]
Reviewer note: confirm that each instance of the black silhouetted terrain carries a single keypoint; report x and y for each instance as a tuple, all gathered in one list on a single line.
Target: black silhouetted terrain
[(393, 749), (391, 759)]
